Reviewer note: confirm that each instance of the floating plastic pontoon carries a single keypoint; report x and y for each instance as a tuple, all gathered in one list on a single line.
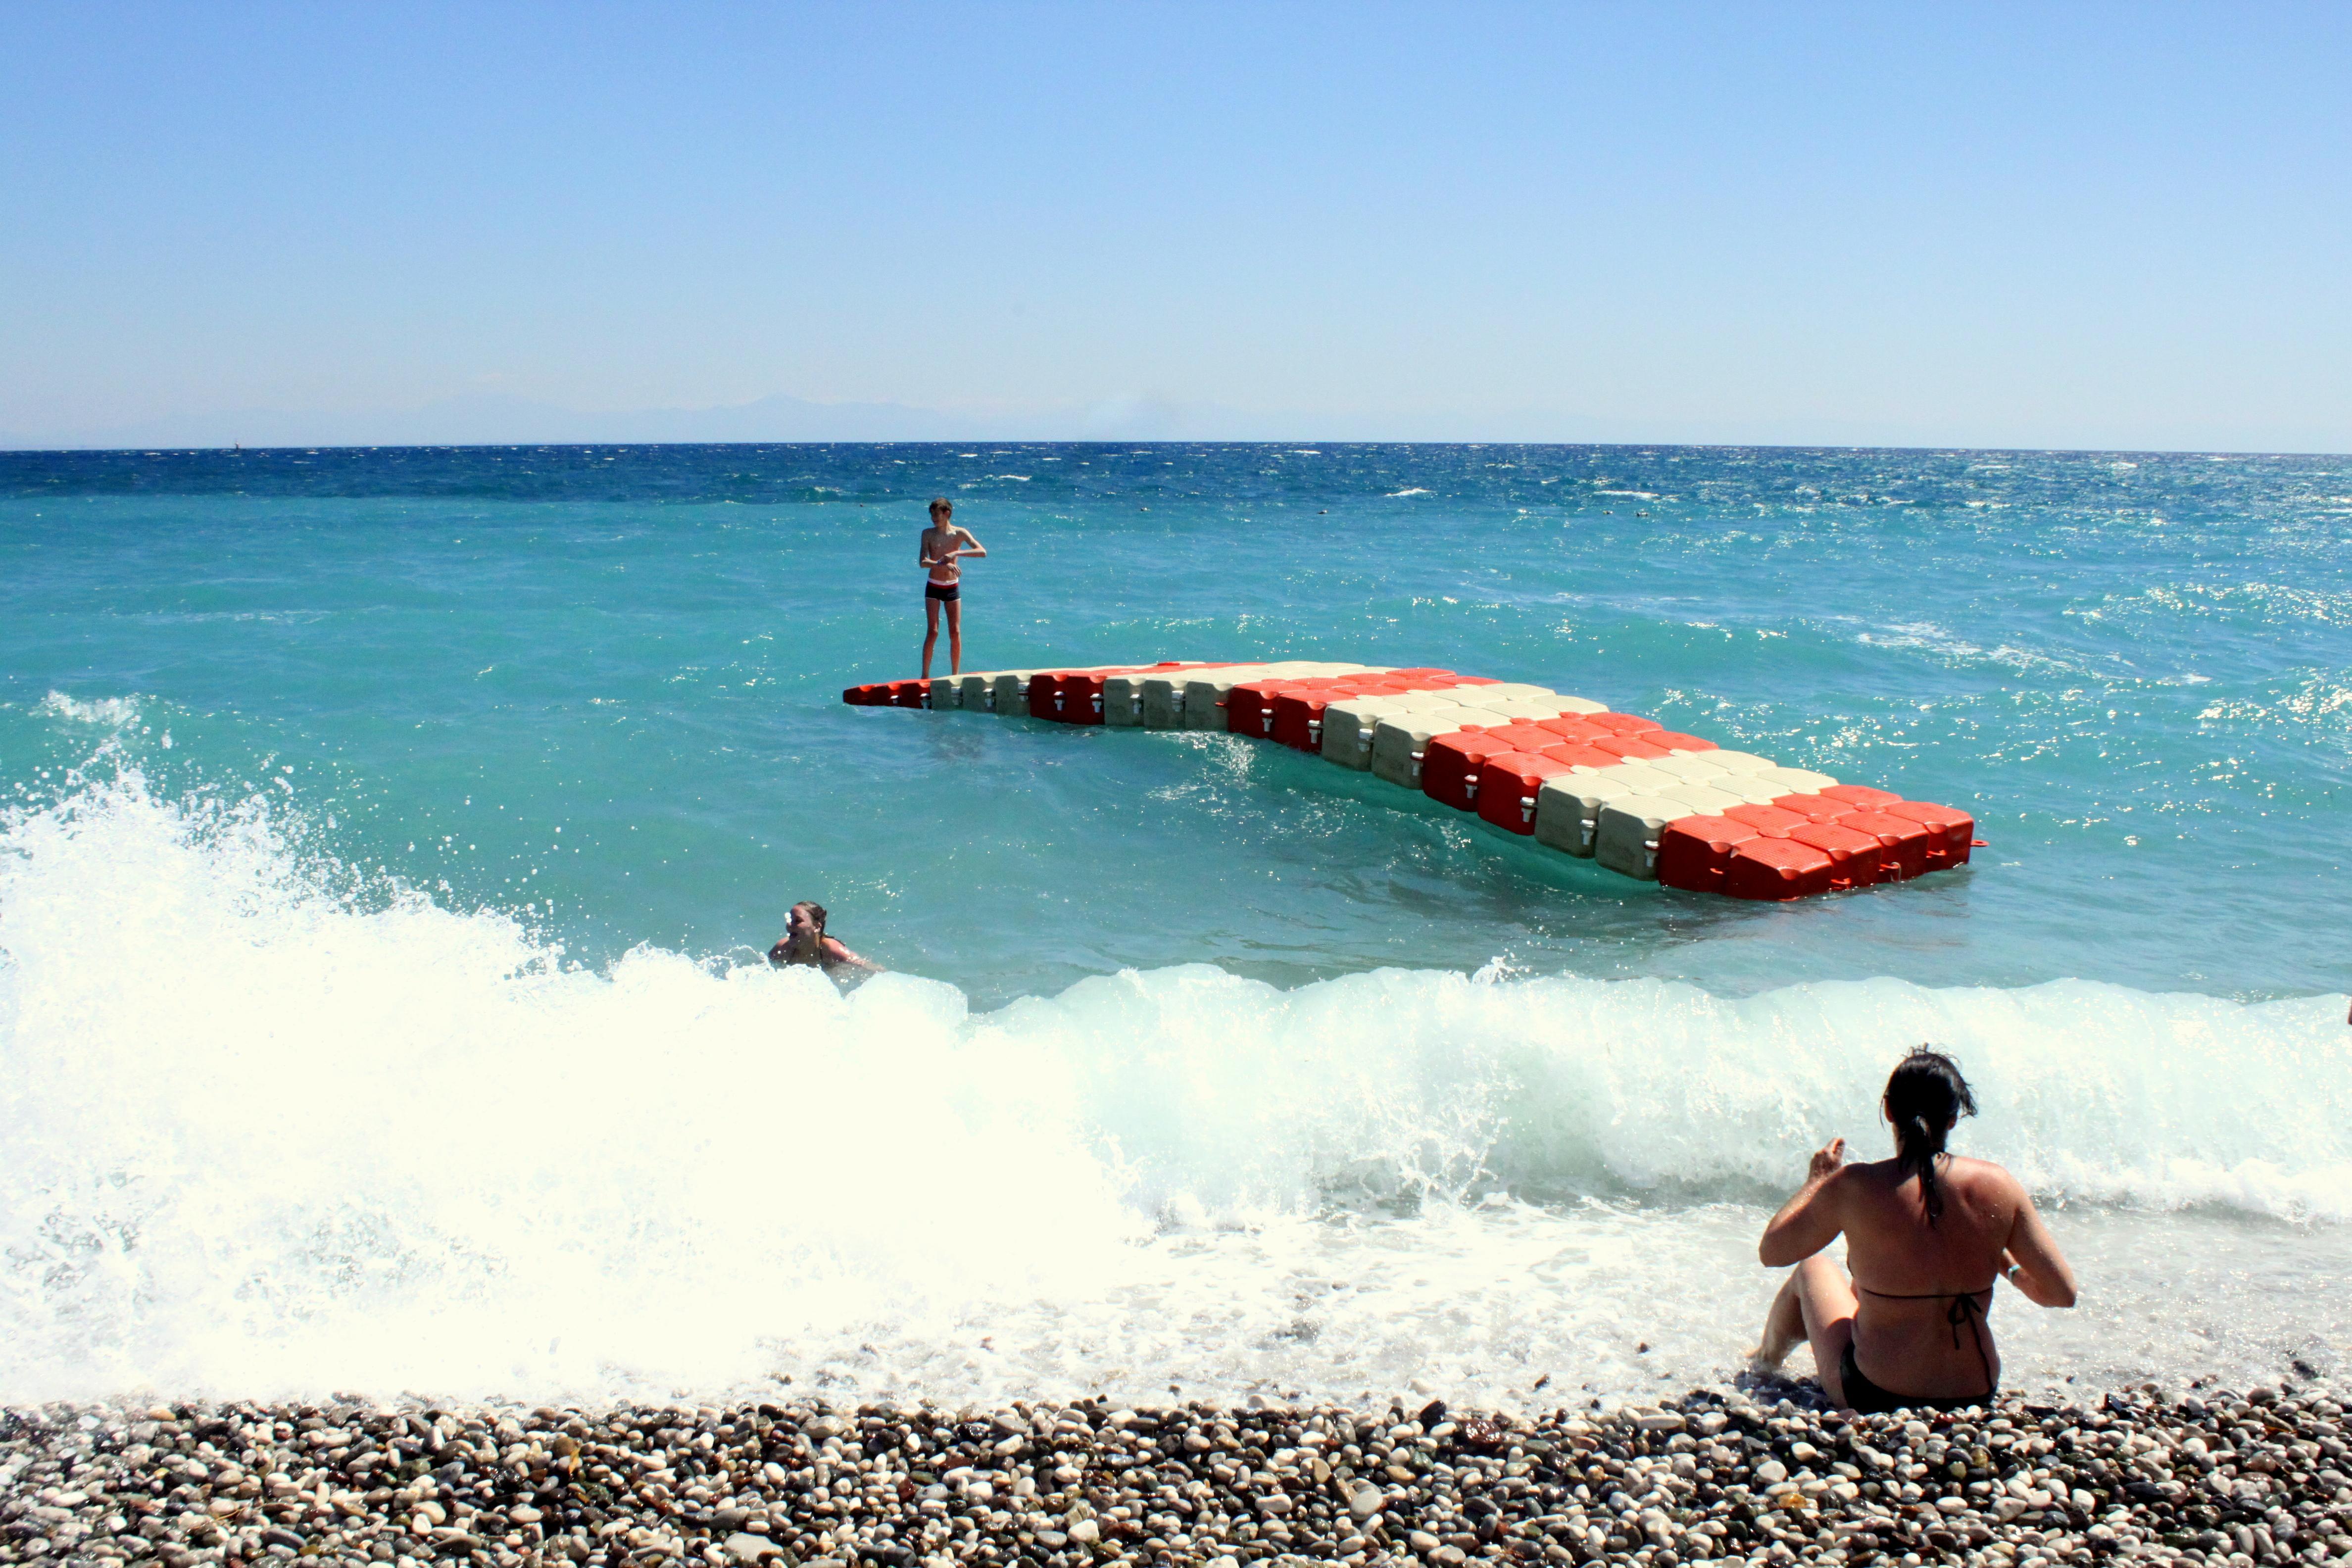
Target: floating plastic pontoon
[(1645, 801)]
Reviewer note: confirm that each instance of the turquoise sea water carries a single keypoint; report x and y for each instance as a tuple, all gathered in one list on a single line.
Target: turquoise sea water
[(501, 766)]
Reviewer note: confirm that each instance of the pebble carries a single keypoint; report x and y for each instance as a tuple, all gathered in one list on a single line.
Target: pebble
[(2216, 1480)]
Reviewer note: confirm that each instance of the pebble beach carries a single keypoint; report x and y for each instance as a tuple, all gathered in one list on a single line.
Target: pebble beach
[(2260, 1478)]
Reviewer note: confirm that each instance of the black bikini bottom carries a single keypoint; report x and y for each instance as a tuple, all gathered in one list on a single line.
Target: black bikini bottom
[(1864, 1395), (944, 591)]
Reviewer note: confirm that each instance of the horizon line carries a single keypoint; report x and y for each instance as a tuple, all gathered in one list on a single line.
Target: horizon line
[(7, 451)]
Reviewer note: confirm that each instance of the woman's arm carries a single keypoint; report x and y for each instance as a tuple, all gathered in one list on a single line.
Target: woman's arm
[(2032, 1262), (1811, 1220), (835, 953)]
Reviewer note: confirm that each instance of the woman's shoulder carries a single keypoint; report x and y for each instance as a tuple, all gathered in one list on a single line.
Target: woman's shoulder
[(1983, 1178)]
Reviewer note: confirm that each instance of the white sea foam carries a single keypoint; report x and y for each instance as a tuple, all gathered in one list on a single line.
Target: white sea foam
[(112, 711), (1409, 490), (264, 1137)]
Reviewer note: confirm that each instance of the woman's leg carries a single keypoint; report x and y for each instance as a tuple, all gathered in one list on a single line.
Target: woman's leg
[(931, 632), (1816, 1304), (955, 636)]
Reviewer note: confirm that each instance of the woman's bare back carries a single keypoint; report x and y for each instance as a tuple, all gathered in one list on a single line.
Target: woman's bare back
[(1909, 1330)]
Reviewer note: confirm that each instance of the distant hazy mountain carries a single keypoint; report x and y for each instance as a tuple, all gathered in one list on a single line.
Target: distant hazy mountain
[(491, 419), (494, 420)]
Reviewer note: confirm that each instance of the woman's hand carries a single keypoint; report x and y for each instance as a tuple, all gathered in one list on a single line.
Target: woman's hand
[(1813, 1218), (1826, 1161)]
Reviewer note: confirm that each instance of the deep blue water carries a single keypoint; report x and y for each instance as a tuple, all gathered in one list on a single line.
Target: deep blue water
[(2137, 670)]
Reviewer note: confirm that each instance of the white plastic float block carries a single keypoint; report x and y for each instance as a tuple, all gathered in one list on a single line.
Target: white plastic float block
[(1163, 693), (1567, 807), (1689, 766), (1797, 781), (1348, 726), (1741, 761), (1625, 839), (1127, 698), (1011, 691), (967, 690), (1518, 705), (1752, 788), (1700, 798), (1204, 695), (1400, 738)]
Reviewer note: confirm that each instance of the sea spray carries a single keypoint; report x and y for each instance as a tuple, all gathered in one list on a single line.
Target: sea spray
[(276, 1126)]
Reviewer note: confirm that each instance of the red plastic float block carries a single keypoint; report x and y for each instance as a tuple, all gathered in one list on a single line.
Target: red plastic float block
[(1951, 831), (1508, 783), (1298, 717), (1075, 696), (1901, 843), (1630, 748), (1573, 727), (1057, 695), (1676, 741), (1449, 768), (907, 694), (1814, 807), (1621, 724), (1853, 856), (862, 696), (1522, 736), (1775, 869), (1249, 706), (1769, 821), (1043, 686), (1862, 797), (1694, 852)]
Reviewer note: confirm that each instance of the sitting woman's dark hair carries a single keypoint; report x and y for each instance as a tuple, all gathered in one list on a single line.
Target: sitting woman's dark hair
[(1924, 1094)]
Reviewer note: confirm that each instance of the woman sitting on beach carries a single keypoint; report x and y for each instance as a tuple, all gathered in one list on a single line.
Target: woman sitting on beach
[(1926, 1235), (805, 942)]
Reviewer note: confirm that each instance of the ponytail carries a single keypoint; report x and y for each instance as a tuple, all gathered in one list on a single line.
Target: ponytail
[(1924, 1094)]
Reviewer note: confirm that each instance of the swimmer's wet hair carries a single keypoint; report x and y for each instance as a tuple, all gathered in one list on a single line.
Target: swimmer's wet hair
[(816, 913), (1924, 1094), (941, 504)]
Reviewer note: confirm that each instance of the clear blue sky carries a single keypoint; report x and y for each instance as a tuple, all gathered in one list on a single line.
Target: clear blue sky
[(2071, 225)]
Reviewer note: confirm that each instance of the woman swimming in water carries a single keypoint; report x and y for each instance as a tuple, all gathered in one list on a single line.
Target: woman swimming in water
[(804, 943), (1930, 1233)]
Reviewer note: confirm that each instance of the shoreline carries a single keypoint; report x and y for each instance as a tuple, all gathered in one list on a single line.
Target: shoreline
[(1715, 1475)]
